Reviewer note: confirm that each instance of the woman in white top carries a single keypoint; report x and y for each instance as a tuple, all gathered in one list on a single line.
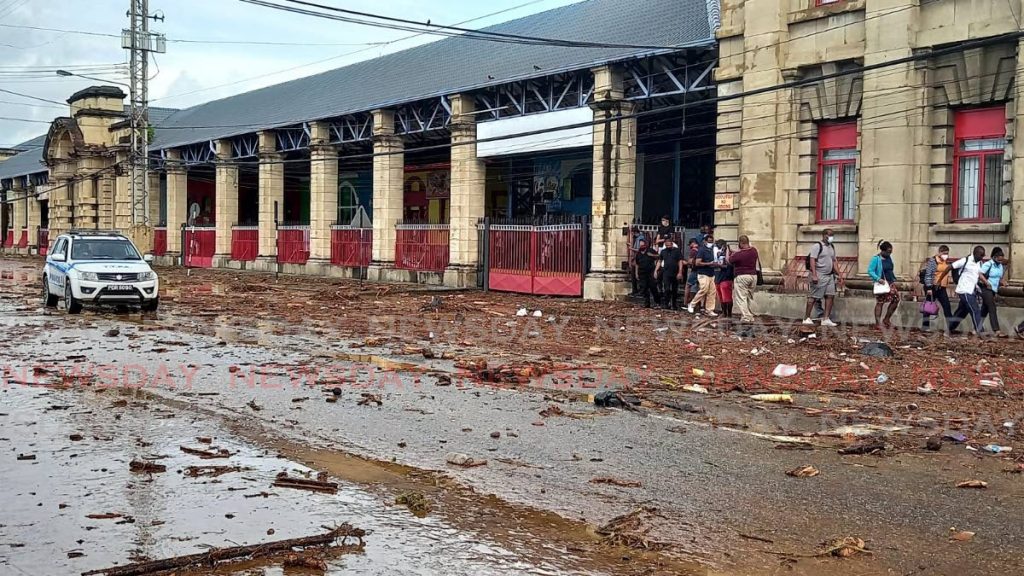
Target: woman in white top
[(966, 289)]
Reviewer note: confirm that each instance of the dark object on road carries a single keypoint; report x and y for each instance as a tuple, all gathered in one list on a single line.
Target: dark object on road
[(877, 350), (112, 333), (205, 454), (285, 481), (552, 410), (215, 555), (745, 331), (434, 305), (615, 399), (442, 380), (955, 437), (495, 435), (252, 404), (631, 530), (615, 482), (866, 447), (370, 399), (934, 444), (336, 391), (75, 437), (26, 456), (147, 467), (416, 502), (212, 471)]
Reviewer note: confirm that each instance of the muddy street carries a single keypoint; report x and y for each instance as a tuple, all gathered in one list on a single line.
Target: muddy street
[(514, 466)]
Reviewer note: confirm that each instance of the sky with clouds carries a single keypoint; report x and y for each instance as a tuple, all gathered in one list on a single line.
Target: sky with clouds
[(215, 66)]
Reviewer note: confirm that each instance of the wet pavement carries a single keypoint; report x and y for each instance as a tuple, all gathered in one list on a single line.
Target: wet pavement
[(261, 387)]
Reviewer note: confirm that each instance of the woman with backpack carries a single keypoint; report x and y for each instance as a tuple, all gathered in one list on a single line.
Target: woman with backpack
[(993, 270), (883, 271), (935, 267)]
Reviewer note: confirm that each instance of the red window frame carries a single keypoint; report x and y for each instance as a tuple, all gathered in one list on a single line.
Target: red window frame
[(835, 136), (976, 124)]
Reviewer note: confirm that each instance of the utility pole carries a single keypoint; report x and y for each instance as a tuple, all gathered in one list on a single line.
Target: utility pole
[(138, 40)]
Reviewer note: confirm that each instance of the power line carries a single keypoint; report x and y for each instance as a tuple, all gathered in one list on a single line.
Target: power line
[(12, 92)]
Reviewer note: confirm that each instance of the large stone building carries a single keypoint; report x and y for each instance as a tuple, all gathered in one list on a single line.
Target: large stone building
[(915, 145)]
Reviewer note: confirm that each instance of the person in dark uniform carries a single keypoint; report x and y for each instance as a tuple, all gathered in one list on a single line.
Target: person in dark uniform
[(644, 263), (670, 262), (665, 231)]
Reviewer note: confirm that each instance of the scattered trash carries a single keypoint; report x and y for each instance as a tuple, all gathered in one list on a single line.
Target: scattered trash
[(877, 350), (459, 459), (283, 480), (882, 378), (205, 454), (973, 484), (146, 467), (416, 502), (955, 437), (698, 372), (112, 333), (615, 482), (784, 371), (869, 447), (75, 437), (495, 435), (662, 330), (210, 471), (538, 314), (803, 472), (844, 547), (785, 398), (369, 398), (989, 384), (595, 350), (631, 530), (934, 444), (960, 536), (26, 456), (522, 312), (926, 389), (697, 388), (252, 404), (614, 399), (552, 410), (997, 449)]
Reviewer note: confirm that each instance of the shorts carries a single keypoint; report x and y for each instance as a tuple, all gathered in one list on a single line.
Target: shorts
[(825, 286), (691, 280), (724, 290)]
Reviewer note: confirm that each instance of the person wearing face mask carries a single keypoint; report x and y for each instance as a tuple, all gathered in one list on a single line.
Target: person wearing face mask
[(821, 265), (883, 272), (706, 266), (670, 263), (966, 289), (935, 267), (993, 270)]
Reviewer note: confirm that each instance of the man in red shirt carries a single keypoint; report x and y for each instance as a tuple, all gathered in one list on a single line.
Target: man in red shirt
[(745, 261)]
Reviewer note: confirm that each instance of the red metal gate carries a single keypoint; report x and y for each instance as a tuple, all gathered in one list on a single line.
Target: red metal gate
[(245, 243), (546, 260), (200, 245), (351, 247), (43, 241), (160, 241), (293, 244), (422, 247)]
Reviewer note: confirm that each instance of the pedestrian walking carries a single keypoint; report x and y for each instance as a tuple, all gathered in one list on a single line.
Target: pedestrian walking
[(670, 263), (821, 267), (966, 289), (745, 262), (691, 275), (644, 266), (724, 278), (882, 270), (935, 267), (993, 271), (705, 265)]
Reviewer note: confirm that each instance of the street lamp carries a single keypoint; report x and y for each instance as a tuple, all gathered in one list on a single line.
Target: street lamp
[(66, 74)]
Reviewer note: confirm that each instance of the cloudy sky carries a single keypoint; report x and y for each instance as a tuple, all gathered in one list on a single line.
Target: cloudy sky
[(212, 64)]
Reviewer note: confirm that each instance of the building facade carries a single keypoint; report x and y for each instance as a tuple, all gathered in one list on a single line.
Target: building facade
[(895, 120)]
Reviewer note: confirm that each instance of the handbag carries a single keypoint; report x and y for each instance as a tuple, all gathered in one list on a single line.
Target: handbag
[(760, 273), (930, 308), (881, 288)]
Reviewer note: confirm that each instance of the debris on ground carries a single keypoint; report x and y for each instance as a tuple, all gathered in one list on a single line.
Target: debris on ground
[(615, 482), (495, 435), (957, 437), (877, 350), (283, 480), (210, 471), (973, 484), (785, 371), (552, 410), (252, 404), (696, 388), (416, 502), (614, 399), (146, 467), (368, 398), (632, 530), (112, 333), (26, 456), (464, 460), (75, 437), (960, 535), (206, 454), (780, 398), (997, 449), (803, 472), (307, 561), (214, 556), (934, 443)]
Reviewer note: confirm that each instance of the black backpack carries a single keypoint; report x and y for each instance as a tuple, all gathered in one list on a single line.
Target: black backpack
[(807, 259)]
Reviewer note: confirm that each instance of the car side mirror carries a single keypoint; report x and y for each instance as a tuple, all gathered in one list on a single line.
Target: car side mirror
[(58, 258), (148, 257)]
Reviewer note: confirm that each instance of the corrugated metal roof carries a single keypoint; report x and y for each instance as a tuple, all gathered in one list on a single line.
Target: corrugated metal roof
[(31, 160), (452, 65)]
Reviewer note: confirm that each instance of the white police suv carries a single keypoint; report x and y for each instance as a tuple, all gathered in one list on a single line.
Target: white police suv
[(98, 267)]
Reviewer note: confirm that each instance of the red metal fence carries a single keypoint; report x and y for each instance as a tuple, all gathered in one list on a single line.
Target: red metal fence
[(351, 247), (422, 247), (43, 241), (23, 239), (9, 239), (245, 243), (200, 245), (159, 241), (794, 277), (528, 259), (293, 244)]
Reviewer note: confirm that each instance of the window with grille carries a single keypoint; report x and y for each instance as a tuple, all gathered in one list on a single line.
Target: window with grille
[(837, 172), (979, 146)]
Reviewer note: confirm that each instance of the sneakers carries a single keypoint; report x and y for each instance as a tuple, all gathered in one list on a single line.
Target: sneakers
[(689, 309), (712, 314), (808, 322), (827, 322)]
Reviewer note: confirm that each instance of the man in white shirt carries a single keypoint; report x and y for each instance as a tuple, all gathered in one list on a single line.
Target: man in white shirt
[(966, 288)]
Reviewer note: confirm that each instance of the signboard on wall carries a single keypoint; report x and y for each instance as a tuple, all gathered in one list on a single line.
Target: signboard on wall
[(549, 138), (725, 201)]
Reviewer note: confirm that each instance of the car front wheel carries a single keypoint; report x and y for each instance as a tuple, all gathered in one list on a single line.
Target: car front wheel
[(49, 300), (151, 305), (71, 305)]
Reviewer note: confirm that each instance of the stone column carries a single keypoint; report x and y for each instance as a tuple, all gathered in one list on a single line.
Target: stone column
[(122, 201), (271, 192), (894, 163), (614, 195), (388, 191), (1017, 200), (107, 209), (60, 204), (468, 195), (16, 215), (323, 194), (34, 218), (177, 200), (225, 201)]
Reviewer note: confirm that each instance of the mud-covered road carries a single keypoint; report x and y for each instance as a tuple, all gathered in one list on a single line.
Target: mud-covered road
[(382, 413)]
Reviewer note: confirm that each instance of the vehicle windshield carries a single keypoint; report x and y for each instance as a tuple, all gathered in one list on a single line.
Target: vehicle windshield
[(87, 249)]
